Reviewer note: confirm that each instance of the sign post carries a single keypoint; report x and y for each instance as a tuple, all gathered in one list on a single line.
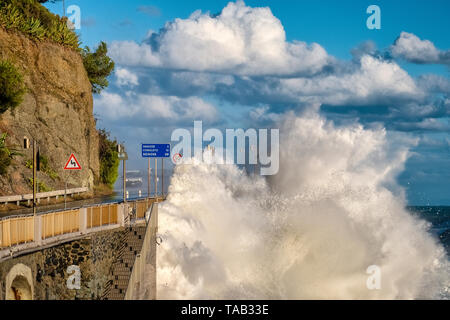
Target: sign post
[(72, 164), (148, 179), (156, 151), (162, 177)]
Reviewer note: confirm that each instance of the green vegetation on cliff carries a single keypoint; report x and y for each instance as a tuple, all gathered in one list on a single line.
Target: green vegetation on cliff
[(12, 88), (6, 154), (41, 186), (109, 159), (34, 20), (36, 40), (44, 167), (98, 66)]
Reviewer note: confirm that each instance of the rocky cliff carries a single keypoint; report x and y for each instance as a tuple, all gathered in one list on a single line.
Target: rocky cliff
[(57, 111)]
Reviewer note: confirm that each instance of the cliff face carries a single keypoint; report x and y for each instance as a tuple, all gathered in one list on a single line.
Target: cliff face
[(56, 111)]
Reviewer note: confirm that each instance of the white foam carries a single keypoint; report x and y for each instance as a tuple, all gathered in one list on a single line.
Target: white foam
[(309, 232)]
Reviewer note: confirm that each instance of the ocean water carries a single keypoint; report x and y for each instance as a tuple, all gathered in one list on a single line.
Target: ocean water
[(310, 232)]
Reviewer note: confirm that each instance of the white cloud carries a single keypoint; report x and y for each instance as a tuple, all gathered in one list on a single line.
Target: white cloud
[(426, 124), (263, 114), (373, 81), (240, 40), (132, 109), (241, 57), (204, 80), (368, 81), (132, 54), (124, 77), (434, 83), (411, 48)]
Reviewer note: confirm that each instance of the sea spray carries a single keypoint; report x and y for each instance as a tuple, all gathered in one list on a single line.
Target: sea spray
[(311, 231)]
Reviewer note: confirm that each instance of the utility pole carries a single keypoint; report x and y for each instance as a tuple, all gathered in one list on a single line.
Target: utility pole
[(124, 181), (122, 155)]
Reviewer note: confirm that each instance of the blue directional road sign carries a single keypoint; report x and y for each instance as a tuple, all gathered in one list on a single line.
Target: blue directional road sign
[(156, 150)]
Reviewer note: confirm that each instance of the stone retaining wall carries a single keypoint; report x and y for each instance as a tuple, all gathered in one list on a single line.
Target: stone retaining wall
[(94, 255)]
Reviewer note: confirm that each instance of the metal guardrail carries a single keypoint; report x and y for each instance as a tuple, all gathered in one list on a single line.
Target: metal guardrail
[(42, 195)]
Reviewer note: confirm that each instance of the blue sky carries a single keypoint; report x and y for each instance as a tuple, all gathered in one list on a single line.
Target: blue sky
[(337, 26)]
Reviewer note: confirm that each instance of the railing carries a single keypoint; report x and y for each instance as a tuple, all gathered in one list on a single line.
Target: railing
[(141, 207), (43, 227), (59, 223), (42, 195), (102, 215), (15, 231)]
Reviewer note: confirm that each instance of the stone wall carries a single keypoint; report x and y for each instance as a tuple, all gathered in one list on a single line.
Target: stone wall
[(94, 255)]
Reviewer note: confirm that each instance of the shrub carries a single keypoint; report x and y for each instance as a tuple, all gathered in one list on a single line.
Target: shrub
[(29, 164), (6, 154), (47, 169), (12, 87), (44, 167), (109, 159), (33, 19), (5, 161), (41, 186)]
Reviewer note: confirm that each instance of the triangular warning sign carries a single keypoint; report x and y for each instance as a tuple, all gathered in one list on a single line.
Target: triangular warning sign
[(72, 164)]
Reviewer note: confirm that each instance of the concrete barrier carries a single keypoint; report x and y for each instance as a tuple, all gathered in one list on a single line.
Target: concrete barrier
[(142, 283)]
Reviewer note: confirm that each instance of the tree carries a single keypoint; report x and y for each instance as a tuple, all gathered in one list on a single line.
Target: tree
[(54, 1), (109, 159), (12, 87), (98, 66), (51, 1)]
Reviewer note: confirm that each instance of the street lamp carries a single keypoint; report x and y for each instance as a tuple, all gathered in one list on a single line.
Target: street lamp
[(124, 157)]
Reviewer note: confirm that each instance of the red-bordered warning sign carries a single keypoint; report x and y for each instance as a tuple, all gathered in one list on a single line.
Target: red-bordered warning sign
[(72, 164)]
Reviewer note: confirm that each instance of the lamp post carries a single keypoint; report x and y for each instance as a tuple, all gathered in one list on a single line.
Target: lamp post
[(124, 157)]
